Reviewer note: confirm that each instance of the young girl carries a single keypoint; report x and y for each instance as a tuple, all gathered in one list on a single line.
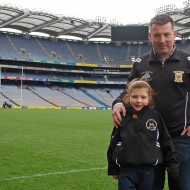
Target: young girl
[(141, 143)]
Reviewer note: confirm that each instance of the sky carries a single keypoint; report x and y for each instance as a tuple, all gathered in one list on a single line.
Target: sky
[(122, 11)]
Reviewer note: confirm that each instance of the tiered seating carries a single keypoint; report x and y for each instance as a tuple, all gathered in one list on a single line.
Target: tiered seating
[(79, 95), (32, 100), (7, 50), (67, 96), (56, 97), (101, 94), (85, 53), (12, 92), (115, 92), (71, 51), (60, 49), (31, 46), (67, 51)]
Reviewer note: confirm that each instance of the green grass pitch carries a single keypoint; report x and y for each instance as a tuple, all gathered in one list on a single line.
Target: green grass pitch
[(54, 149)]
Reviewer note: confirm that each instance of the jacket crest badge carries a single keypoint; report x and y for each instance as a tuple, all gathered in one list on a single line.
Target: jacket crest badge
[(146, 75), (151, 125), (178, 76)]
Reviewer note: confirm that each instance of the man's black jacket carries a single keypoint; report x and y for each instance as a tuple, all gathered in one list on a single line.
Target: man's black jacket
[(171, 82)]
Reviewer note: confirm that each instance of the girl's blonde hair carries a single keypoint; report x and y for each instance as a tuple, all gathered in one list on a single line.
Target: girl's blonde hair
[(139, 83)]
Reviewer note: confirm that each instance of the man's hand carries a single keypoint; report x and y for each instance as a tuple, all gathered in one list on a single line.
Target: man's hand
[(116, 114), (186, 131)]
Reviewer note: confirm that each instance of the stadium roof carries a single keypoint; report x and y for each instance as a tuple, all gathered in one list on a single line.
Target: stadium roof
[(30, 21)]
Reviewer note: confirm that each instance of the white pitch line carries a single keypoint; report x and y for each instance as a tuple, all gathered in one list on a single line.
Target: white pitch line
[(52, 173)]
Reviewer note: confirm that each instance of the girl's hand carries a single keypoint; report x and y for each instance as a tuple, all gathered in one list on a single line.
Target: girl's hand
[(186, 131), (115, 176)]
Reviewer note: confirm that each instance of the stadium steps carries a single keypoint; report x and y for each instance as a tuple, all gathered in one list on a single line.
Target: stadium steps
[(188, 49), (43, 48), (62, 91), (99, 52), (12, 101), (101, 95), (128, 52), (21, 50), (109, 93), (94, 98), (70, 50), (12, 44), (30, 89), (139, 50)]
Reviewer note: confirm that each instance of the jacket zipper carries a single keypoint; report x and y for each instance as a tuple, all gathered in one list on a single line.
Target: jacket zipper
[(162, 64), (186, 103)]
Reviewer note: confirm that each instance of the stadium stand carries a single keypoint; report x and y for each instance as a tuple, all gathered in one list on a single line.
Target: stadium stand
[(51, 81), (53, 72)]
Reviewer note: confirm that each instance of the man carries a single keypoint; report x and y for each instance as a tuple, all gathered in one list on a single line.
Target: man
[(168, 70)]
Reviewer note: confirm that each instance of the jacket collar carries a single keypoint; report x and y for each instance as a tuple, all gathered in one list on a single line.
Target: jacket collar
[(154, 57), (132, 111)]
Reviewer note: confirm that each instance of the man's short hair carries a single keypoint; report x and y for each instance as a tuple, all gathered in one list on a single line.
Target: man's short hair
[(162, 19)]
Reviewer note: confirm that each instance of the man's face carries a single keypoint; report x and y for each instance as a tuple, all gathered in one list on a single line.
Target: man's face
[(162, 38)]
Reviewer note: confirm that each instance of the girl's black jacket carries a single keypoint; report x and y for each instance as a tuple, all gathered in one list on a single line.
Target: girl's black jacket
[(170, 79), (142, 139)]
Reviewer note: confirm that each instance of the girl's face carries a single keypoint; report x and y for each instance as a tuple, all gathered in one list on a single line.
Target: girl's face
[(139, 98)]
